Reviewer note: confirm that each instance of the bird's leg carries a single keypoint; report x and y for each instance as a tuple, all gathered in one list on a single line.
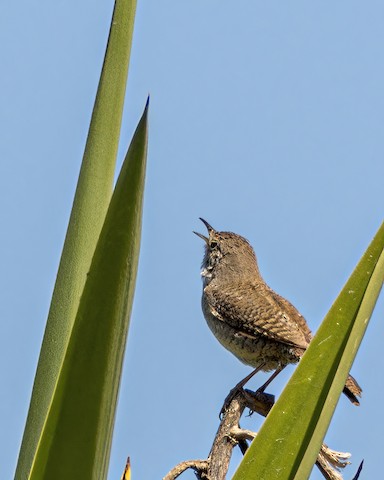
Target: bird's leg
[(270, 379), (235, 390)]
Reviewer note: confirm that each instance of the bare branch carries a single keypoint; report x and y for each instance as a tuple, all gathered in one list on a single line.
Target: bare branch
[(242, 434), (230, 434), (199, 466)]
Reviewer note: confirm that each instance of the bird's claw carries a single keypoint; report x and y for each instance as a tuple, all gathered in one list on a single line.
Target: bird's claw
[(229, 398)]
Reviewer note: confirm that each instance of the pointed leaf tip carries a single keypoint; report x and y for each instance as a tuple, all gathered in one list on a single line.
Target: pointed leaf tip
[(127, 471), (143, 122)]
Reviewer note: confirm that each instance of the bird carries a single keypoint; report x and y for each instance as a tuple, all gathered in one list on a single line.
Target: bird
[(261, 328)]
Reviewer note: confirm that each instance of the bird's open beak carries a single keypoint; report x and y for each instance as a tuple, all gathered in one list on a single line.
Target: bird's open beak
[(202, 236), (209, 228)]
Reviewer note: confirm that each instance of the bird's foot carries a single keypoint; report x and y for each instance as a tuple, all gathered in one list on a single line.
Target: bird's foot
[(229, 398), (236, 390)]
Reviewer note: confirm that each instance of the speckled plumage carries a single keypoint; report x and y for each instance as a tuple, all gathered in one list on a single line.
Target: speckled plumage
[(261, 328)]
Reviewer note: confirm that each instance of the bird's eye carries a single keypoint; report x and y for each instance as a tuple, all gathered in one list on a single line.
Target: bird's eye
[(213, 245)]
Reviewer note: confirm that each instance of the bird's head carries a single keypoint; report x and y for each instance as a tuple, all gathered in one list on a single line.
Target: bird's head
[(227, 255)]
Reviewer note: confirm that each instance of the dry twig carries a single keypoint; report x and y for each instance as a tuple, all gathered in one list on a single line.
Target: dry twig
[(229, 434)]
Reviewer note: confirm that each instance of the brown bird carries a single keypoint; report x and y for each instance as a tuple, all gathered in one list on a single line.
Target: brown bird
[(261, 328)]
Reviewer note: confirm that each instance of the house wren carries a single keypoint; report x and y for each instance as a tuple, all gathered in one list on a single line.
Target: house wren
[(261, 328)]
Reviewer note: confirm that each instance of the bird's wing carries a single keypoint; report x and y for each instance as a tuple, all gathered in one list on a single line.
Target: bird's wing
[(255, 309), (297, 317)]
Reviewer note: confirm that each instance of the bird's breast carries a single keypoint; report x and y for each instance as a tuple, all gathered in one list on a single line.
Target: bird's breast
[(252, 350)]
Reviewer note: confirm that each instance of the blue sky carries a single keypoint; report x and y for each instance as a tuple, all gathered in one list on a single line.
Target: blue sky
[(266, 119)]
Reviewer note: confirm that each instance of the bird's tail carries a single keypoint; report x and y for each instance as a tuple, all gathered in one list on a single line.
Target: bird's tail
[(352, 390)]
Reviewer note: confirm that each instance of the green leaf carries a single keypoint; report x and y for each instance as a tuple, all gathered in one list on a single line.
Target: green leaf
[(288, 443), (76, 439), (91, 201)]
